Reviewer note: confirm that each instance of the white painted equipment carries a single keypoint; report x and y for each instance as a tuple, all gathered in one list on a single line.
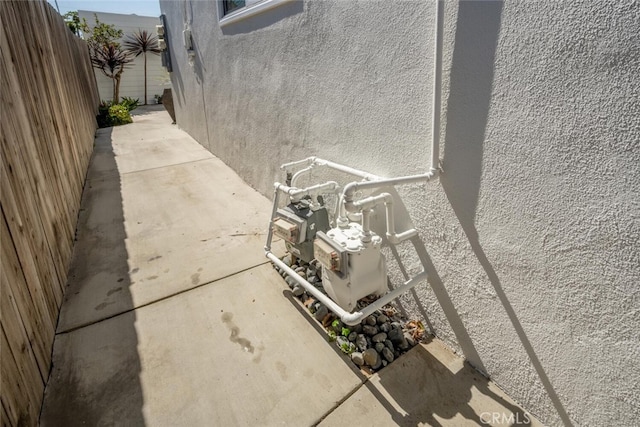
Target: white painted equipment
[(351, 267), (352, 264)]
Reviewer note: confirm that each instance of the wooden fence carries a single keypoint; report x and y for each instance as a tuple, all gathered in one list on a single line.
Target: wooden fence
[(48, 101)]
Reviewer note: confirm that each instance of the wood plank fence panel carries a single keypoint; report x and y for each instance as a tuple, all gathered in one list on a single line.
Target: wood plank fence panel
[(49, 99)]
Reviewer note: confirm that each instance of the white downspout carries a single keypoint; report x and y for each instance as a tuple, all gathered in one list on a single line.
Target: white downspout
[(437, 87)]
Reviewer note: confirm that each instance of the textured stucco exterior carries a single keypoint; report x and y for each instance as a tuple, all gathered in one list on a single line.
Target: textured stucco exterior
[(533, 228)]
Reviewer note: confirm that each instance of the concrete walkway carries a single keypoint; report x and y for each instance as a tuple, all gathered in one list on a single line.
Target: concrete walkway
[(172, 316)]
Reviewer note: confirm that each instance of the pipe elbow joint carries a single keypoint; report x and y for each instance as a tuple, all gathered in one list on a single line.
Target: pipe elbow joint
[(352, 319), (349, 190)]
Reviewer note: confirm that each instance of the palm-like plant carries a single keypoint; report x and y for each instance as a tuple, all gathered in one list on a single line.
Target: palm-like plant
[(139, 43), (111, 60)]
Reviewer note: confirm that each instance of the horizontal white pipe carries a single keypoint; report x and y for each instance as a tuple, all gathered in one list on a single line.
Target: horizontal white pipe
[(298, 193), (346, 169), (346, 317), (370, 202), (396, 238), (352, 187), (287, 166)]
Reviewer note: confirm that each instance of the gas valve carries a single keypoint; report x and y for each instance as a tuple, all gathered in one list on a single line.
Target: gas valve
[(351, 267), (297, 224)]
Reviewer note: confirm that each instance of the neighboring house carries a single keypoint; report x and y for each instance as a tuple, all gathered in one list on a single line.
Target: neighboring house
[(534, 225), (132, 83)]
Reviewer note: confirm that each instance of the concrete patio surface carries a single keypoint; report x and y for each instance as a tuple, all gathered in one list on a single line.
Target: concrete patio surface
[(173, 317)]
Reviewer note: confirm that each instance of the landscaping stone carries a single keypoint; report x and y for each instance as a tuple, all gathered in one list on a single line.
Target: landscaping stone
[(371, 357), (357, 358), (382, 319), (381, 337), (287, 260), (387, 354), (395, 336), (369, 330), (321, 313), (375, 342)]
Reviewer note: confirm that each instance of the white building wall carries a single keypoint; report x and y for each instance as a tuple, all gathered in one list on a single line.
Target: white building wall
[(132, 82), (533, 228)]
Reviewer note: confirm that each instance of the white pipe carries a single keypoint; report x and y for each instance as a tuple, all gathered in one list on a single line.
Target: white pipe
[(298, 193), (298, 174), (352, 187), (387, 199), (311, 161), (346, 317), (274, 209), (347, 169), (437, 86), (287, 166)]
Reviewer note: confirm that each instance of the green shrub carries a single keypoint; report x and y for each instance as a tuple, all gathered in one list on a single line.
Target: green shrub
[(130, 103), (113, 114), (103, 114), (119, 115)]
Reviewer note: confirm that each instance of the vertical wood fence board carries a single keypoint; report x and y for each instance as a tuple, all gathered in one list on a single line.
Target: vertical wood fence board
[(14, 393), (27, 254), (21, 176), (27, 48), (19, 346), (12, 275), (49, 101)]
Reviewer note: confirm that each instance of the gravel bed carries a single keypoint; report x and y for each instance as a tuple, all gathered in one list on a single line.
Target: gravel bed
[(372, 344)]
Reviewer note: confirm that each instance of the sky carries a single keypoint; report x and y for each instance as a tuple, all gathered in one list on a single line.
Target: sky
[(139, 7)]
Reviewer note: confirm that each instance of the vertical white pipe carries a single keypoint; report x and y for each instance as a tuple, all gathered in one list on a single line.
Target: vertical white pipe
[(437, 86)]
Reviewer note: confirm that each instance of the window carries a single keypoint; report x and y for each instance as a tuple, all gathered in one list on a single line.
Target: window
[(231, 5), (230, 11)]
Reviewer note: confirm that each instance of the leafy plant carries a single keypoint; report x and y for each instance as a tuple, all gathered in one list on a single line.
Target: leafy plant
[(103, 114), (140, 43), (106, 53), (110, 114), (130, 103), (346, 332), (348, 347), (119, 115), (75, 25), (111, 60), (332, 336)]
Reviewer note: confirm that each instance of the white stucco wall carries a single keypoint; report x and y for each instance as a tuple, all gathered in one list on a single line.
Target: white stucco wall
[(532, 230), (132, 82)]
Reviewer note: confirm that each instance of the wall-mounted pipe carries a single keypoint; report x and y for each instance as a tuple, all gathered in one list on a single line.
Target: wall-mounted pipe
[(372, 182), (300, 173), (437, 87), (315, 161), (368, 203), (296, 194)]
